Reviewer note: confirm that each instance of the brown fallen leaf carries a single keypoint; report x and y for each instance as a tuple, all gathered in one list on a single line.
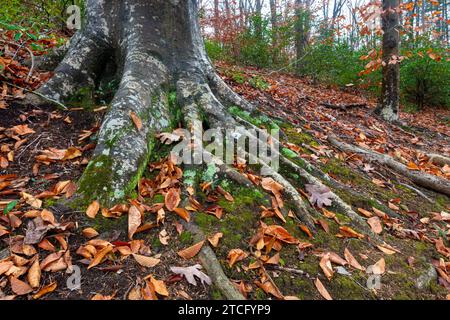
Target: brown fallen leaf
[(348, 232), (145, 261), (352, 260), (375, 224), (90, 233), (365, 213), (46, 290), (34, 274), (236, 255), (214, 240), (134, 221), (136, 120), (379, 267), (183, 213), (172, 199), (159, 286), (99, 256), (326, 266), (192, 251), (93, 209), (19, 287), (323, 292)]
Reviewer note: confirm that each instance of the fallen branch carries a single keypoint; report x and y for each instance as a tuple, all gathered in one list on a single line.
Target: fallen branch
[(343, 107), (420, 178)]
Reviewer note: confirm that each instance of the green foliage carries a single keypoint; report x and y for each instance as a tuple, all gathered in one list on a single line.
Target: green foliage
[(255, 44), (41, 15), (215, 50), (332, 63), (425, 80)]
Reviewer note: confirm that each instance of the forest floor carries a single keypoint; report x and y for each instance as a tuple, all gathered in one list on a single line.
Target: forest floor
[(43, 152)]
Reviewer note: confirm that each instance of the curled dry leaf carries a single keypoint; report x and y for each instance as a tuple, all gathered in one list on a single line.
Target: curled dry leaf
[(326, 266), (352, 260), (172, 199), (348, 232), (46, 290), (34, 274), (136, 120), (145, 261), (183, 213), (93, 209), (271, 185), (214, 240), (379, 267), (321, 288), (90, 233), (236, 255), (134, 221), (192, 251), (98, 258)]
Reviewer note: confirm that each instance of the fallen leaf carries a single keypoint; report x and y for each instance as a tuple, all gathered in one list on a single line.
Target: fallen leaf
[(326, 266), (191, 272), (136, 120), (90, 233), (145, 261), (183, 213), (352, 260), (99, 256), (319, 195), (214, 240), (375, 225), (46, 290), (93, 209), (379, 267), (34, 274), (134, 221), (19, 287), (172, 199), (192, 251), (323, 292), (236, 255)]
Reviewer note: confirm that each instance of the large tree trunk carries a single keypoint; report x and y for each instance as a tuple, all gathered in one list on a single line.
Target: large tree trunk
[(155, 45), (390, 91)]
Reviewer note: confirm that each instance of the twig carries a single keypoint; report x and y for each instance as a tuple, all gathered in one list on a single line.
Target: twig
[(59, 104)]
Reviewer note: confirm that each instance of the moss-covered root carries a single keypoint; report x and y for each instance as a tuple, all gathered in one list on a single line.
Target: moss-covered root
[(212, 265), (139, 110)]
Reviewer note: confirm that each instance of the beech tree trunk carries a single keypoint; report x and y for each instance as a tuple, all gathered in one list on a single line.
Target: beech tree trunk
[(154, 46), (390, 90)]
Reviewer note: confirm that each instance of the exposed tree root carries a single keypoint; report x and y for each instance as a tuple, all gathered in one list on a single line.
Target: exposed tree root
[(343, 107), (212, 265), (420, 178)]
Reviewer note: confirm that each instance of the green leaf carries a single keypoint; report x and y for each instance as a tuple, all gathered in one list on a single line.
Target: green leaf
[(9, 207)]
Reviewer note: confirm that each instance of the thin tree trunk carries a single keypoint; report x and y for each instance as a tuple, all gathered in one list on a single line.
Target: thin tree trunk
[(390, 91)]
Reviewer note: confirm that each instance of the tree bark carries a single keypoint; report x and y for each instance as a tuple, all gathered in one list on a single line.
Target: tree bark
[(155, 45), (390, 91)]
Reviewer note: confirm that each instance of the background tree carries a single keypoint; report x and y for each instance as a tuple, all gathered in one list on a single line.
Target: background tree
[(390, 87)]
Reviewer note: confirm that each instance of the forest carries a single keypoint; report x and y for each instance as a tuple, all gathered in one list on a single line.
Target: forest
[(224, 150)]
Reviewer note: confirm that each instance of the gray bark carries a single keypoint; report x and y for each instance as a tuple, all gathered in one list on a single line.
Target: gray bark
[(390, 90), (154, 44)]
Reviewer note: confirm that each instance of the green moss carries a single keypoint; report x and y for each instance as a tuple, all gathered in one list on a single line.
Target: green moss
[(300, 138), (216, 294), (186, 238)]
